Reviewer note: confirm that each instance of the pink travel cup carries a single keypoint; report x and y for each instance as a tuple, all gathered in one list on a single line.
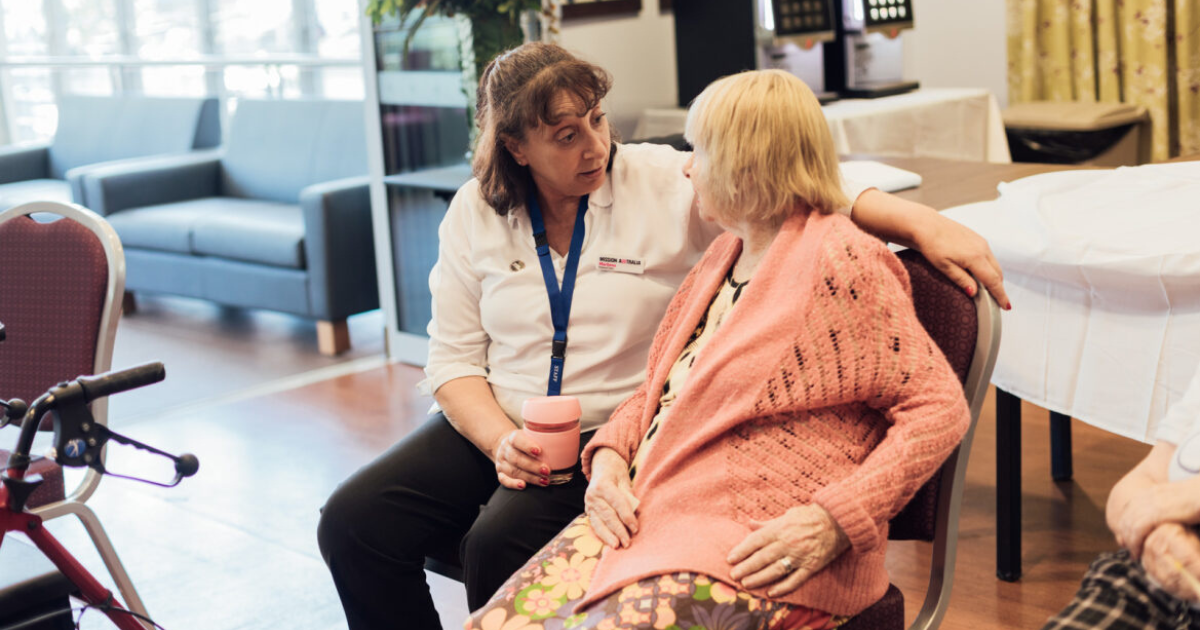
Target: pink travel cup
[(553, 423)]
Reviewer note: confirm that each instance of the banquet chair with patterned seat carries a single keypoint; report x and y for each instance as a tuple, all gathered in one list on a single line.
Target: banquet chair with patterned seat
[(967, 330), (61, 284)]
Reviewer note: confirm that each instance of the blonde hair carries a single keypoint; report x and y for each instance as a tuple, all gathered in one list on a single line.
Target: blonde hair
[(764, 148)]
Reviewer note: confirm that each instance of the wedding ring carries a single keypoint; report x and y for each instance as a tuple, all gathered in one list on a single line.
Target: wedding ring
[(787, 564)]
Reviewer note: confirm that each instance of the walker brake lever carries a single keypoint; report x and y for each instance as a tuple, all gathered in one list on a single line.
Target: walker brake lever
[(79, 439)]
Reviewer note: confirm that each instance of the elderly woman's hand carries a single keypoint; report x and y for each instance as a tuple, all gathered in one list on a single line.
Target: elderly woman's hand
[(609, 501), (788, 550), (1172, 554)]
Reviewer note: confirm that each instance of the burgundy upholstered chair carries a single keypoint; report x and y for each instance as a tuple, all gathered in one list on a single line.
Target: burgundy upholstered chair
[(61, 284), (968, 332)]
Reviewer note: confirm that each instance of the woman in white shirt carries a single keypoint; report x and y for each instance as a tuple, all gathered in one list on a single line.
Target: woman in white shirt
[(555, 266)]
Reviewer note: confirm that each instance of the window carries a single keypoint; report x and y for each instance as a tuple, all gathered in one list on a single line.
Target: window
[(337, 24), (167, 28), (25, 30), (88, 28), (226, 48), (250, 28), (29, 104)]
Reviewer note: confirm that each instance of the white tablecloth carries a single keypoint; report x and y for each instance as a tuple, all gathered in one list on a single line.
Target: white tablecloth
[(949, 123), (1103, 269)]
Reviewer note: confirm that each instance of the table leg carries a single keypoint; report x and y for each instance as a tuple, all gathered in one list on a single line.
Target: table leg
[(1061, 468), (1008, 486)]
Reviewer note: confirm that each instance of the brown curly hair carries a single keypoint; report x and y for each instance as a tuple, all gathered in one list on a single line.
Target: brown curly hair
[(515, 95)]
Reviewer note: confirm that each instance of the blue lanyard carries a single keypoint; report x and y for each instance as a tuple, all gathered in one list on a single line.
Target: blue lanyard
[(560, 300)]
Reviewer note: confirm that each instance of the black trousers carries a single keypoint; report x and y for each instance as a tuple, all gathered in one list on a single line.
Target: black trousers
[(433, 493)]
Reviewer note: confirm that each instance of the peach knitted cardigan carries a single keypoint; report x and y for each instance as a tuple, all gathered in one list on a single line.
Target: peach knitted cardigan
[(821, 387)]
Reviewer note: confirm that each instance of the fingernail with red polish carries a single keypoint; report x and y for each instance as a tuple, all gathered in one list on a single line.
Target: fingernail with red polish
[(544, 481), (536, 451), (520, 485), (1008, 307), (545, 470), (971, 291)]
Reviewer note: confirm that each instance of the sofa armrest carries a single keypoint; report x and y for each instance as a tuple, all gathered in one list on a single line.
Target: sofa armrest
[(340, 248), (151, 181), (19, 163), (75, 177)]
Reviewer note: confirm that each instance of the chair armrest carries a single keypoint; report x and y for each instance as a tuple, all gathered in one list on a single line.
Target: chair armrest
[(19, 163), (151, 181), (75, 176), (340, 248)]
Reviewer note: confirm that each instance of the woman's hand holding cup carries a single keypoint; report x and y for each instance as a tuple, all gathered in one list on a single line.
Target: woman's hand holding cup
[(518, 461), (609, 501)]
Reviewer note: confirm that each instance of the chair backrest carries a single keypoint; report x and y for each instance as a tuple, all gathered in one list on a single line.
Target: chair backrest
[(967, 330), (277, 147), (95, 129), (61, 285)]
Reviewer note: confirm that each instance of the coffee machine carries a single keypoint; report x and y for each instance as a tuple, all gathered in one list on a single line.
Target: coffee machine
[(866, 58), (715, 38), (847, 48)]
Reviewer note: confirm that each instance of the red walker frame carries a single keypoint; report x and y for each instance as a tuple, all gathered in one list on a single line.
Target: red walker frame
[(78, 441), (93, 592)]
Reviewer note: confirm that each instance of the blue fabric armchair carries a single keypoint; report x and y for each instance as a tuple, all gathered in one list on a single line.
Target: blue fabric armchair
[(280, 218), (95, 130)]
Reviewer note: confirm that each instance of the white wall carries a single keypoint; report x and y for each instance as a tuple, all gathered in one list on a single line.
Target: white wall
[(639, 51), (957, 43)]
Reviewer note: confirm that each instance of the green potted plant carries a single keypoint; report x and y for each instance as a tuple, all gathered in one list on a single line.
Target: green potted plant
[(485, 29)]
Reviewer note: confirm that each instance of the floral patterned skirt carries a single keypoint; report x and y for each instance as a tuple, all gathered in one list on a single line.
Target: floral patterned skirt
[(543, 595)]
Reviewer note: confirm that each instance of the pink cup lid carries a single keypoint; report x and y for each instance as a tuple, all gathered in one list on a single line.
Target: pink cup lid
[(551, 409)]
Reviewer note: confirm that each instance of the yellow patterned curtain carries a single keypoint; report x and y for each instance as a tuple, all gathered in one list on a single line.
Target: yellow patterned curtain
[(1145, 52), (1187, 60)]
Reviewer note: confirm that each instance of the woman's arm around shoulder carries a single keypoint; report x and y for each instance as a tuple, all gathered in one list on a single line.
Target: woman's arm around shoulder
[(953, 248)]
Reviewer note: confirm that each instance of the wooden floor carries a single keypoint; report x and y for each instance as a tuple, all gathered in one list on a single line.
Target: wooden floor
[(213, 352), (235, 546)]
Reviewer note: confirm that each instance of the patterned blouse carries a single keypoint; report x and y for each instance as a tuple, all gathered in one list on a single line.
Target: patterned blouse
[(721, 304)]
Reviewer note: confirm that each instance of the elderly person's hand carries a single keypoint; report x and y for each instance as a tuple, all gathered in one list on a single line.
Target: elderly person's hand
[(1171, 556), (1144, 499), (609, 501), (1139, 516), (788, 550), (516, 461)]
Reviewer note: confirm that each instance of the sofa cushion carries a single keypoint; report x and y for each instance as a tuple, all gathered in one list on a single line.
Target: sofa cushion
[(263, 232), (277, 147), (17, 193), (95, 129), (166, 227)]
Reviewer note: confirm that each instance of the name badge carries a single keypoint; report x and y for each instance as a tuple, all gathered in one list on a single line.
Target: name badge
[(623, 265)]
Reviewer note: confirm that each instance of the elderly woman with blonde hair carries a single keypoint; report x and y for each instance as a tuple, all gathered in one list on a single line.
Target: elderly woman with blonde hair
[(792, 405)]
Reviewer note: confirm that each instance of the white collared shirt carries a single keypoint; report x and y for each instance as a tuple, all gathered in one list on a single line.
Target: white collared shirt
[(491, 314)]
